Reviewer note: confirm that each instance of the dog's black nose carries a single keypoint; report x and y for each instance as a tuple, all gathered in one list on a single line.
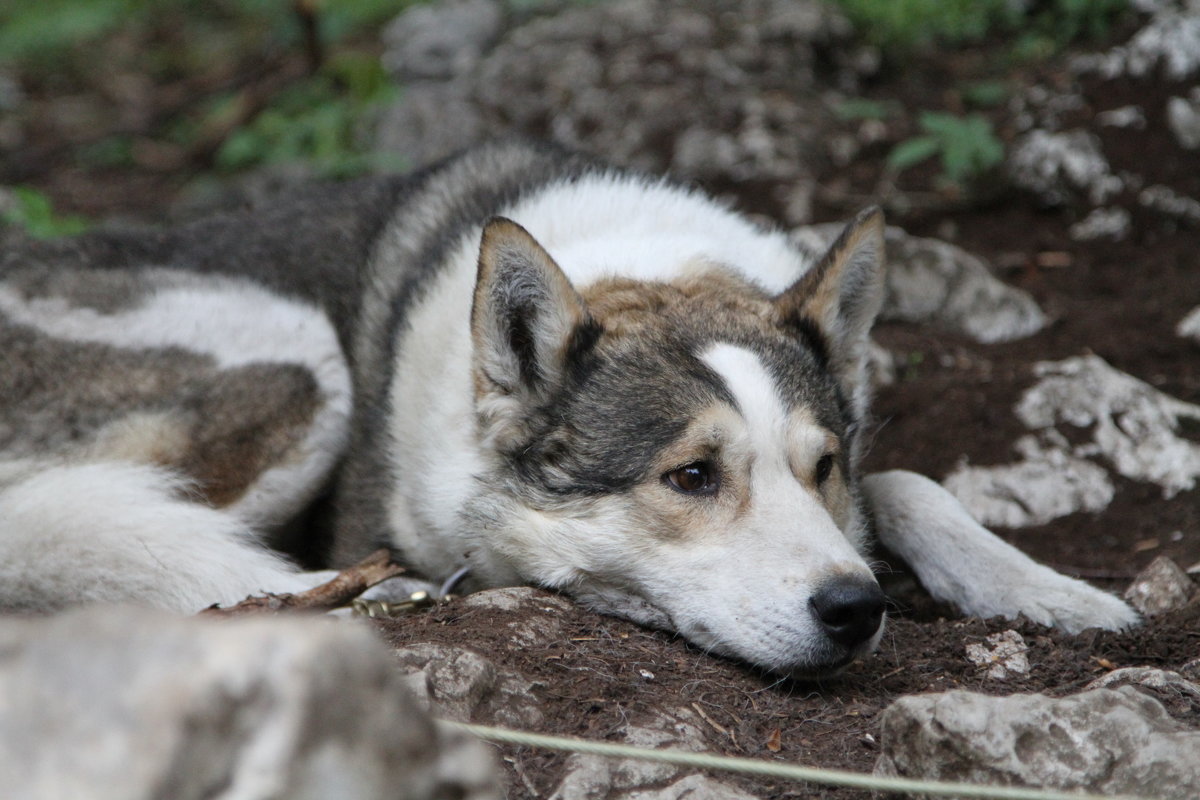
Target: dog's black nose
[(849, 610)]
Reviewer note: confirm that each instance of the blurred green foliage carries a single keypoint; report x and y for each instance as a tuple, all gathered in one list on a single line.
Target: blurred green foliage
[(208, 52), (316, 121), (32, 211), (966, 146), (1038, 27)]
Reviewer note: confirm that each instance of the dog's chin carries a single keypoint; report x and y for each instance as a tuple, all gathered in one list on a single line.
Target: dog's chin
[(831, 665), (824, 671)]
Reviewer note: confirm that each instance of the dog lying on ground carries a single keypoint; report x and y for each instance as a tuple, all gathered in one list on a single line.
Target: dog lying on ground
[(519, 362)]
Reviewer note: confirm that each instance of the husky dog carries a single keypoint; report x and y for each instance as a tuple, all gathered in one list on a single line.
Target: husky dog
[(518, 361)]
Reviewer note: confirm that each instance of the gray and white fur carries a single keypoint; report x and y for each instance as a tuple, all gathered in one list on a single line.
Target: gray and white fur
[(518, 361)]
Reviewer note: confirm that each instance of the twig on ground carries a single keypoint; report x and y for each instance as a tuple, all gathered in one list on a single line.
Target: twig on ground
[(345, 586)]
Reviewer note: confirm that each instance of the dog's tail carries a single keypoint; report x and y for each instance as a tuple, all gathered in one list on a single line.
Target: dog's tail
[(114, 532)]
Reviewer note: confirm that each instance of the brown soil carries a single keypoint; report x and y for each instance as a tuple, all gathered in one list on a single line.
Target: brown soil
[(605, 672)]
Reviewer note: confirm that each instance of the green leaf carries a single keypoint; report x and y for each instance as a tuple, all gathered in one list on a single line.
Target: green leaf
[(985, 94), (912, 151), (33, 212), (862, 108)]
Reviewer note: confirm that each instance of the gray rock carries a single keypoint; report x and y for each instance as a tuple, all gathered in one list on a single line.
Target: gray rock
[(1047, 484), (1170, 40), (1170, 203), (1151, 678), (658, 86), (440, 40), (1134, 427), (590, 777), (935, 282), (1161, 587), (1002, 654), (1063, 168), (1189, 326), (460, 684), (1183, 118), (1104, 741), (693, 787), (132, 704), (432, 120), (1123, 117), (1102, 223)]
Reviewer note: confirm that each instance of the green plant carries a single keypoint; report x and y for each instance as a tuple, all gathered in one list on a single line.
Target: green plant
[(32, 212), (966, 146), (903, 26), (316, 121)]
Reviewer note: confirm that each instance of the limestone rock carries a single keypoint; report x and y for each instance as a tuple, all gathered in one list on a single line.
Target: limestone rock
[(1170, 203), (463, 684), (1002, 654), (932, 281), (1047, 484), (1189, 326), (1062, 168), (130, 704), (1170, 40), (1103, 741), (432, 120), (693, 787), (1183, 118), (1102, 223), (1162, 586), (1133, 426), (440, 40), (1149, 677), (460, 684), (589, 777), (658, 86)]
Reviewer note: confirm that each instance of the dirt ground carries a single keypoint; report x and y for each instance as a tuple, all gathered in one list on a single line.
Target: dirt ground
[(606, 672), (954, 400)]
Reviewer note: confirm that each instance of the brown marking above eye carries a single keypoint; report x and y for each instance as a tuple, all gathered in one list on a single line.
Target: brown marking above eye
[(824, 468), (696, 478)]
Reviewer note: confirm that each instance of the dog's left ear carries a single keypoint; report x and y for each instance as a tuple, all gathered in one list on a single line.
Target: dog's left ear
[(525, 321), (835, 303)]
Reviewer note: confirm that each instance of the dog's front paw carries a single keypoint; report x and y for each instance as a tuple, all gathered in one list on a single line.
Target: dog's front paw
[(961, 562), (1050, 598)]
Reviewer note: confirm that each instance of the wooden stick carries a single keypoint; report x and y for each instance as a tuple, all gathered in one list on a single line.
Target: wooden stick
[(345, 586)]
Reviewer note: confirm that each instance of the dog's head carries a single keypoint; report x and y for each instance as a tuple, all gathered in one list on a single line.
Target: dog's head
[(684, 454)]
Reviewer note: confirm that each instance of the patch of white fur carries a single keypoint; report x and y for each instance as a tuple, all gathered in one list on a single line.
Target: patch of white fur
[(118, 532), (961, 562), (629, 226), (236, 324)]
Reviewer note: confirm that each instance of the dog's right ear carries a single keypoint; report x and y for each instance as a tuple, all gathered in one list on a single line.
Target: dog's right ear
[(525, 320)]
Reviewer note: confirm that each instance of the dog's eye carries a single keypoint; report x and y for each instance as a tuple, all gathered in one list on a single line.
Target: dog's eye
[(699, 477), (824, 468)]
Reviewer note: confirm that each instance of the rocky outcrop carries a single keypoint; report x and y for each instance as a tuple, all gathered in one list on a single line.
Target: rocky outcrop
[(658, 86), (934, 282), (121, 703), (1104, 741), (1128, 425)]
